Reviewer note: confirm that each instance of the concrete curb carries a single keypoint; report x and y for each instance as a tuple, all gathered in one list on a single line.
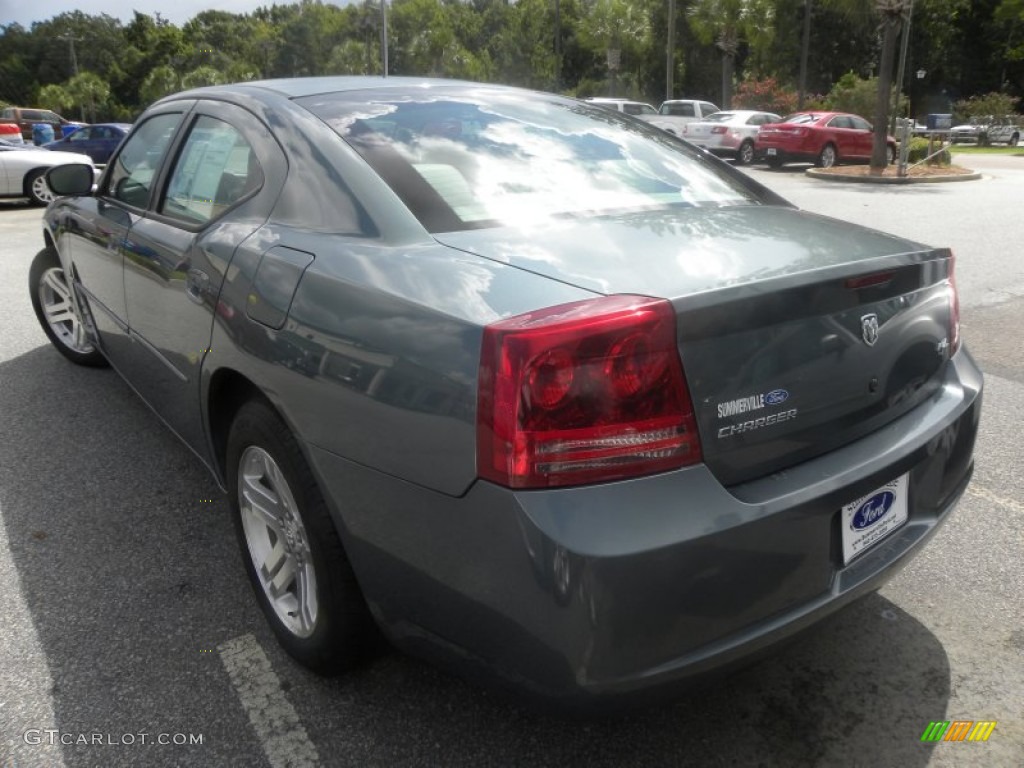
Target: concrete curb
[(819, 173)]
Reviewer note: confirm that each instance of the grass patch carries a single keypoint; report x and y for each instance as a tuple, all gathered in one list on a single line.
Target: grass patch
[(970, 149)]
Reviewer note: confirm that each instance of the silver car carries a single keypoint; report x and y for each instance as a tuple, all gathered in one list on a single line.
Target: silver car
[(732, 133), (531, 387)]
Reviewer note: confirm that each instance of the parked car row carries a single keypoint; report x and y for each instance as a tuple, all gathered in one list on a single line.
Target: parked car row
[(23, 164), (824, 138)]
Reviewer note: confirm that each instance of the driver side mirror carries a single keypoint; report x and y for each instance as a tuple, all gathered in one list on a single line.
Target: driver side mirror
[(71, 179)]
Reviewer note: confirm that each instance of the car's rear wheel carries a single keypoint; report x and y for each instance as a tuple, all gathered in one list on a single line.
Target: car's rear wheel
[(775, 161), (745, 154), (292, 552), (1014, 140), (890, 154), (36, 188), (827, 157), (56, 312)]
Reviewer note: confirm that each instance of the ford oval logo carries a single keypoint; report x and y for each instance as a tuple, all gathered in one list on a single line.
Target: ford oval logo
[(872, 510), (776, 397)]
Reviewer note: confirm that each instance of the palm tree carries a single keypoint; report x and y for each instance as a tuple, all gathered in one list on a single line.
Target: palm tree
[(727, 23), (894, 14)]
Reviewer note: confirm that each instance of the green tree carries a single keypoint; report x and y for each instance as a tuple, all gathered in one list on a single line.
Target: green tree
[(161, 81), (88, 90), (617, 29), (202, 76), (727, 24), (55, 97)]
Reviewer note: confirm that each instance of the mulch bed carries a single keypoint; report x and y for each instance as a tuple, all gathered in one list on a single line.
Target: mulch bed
[(919, 172)]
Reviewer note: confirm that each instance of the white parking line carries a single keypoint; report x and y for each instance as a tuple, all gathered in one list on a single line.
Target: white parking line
[(274, 719)]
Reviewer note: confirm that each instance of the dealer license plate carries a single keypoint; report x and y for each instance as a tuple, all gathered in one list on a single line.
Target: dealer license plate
[(871, 518)]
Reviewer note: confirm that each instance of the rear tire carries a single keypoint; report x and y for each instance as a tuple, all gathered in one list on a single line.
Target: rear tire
[(775, 162), (890, 154), (828, 156), (292, 553), (745, 155), (1014, 140), (51, 300)]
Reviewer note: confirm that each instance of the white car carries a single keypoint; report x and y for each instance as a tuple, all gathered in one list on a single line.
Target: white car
[(22, 170), (675, 113), (638, 109), (731, 133)]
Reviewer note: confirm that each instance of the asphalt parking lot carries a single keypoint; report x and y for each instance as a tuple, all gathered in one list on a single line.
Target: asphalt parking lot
[(126, 611)]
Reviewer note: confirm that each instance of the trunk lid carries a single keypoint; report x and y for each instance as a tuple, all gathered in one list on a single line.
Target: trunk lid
[(797, 333)]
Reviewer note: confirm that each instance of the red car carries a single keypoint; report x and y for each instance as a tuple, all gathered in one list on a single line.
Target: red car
[(823, 138)]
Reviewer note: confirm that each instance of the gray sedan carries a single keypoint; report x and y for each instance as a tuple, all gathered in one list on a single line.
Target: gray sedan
[(534, 389)]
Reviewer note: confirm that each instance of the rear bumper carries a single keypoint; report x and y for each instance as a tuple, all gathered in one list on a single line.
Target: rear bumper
[(598, 595)]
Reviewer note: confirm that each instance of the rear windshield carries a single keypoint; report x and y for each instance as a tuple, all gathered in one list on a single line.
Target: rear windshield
[(464, 158), (801, 118), (718, 117)]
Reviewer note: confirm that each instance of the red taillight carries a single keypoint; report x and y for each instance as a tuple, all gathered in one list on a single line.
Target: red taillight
[(582, 393), (719, 129), (954, 309)]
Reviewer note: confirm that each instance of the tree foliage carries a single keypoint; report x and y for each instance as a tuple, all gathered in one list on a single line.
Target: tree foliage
[(720, 46)]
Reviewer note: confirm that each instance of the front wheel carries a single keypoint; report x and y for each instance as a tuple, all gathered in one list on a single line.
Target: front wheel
[(292, 552), (36, 188), (827, 157), (51, 299), (745, 155)]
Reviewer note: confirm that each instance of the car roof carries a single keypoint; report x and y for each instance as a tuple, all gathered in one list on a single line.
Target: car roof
[(298, 87)]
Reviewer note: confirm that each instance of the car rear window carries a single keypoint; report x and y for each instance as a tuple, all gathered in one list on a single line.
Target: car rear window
[(801, 118), (466, 158)]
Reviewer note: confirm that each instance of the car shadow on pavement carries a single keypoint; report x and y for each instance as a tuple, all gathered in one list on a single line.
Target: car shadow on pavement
[(130, 579)]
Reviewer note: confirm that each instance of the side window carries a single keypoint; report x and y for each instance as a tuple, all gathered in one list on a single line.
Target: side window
[(647, 110), (82, 134), (136, 164), (684, 110), (215, 169), (631, 109), (7, 114), (840, 122), (860, 124), (707, 108)]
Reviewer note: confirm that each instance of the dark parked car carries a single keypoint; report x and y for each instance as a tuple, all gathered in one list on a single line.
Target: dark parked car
[(533, 387), (97, 141), (823, 138)]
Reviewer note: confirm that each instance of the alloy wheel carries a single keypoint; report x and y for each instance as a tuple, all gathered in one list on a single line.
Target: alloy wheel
[(59, 312), (277, 541)]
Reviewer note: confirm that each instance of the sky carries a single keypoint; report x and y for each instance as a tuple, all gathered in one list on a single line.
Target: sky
[(176, 11)]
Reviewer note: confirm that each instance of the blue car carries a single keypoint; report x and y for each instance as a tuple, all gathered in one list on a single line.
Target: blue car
[(97, 141)]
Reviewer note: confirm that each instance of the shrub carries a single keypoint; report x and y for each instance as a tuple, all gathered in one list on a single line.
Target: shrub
[(994, 103), (767, 95), (918, 151), (858, 95)]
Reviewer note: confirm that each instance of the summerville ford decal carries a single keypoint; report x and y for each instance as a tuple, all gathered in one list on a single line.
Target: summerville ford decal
[(742, 405)]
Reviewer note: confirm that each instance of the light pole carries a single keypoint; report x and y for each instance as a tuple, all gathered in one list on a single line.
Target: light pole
[(384, 34)]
